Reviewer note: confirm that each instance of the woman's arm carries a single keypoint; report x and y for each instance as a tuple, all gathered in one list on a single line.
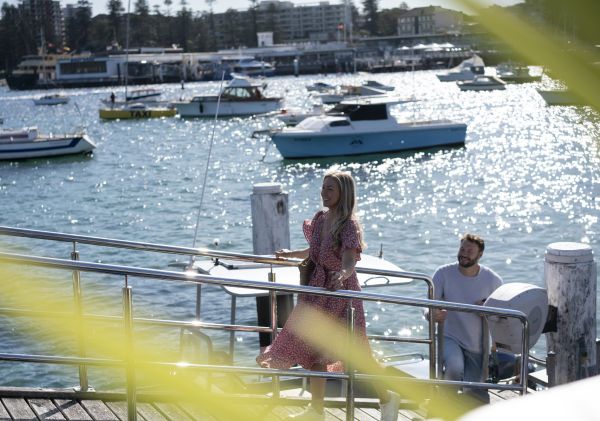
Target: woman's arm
[(287, 254), (336, 279)]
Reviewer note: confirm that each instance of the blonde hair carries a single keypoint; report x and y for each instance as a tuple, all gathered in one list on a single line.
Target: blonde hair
[(346, 208)]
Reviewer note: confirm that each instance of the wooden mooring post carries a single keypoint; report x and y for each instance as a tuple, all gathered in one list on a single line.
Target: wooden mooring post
[(570, 276), (270, 232)]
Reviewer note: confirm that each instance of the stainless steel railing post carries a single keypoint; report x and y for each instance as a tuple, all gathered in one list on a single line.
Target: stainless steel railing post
[(432, 350), (83, 378), (440, 349), (129, 357), (273, 308), (232, 317), (350, 366)]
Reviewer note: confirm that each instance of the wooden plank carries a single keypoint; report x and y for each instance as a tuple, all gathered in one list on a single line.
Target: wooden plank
[(98, 410), (4, 415), (171, 412), (361, 414), (335, 414), (196, 413), (45, 409), (18, 409), (72, 410), (149, 412), (120, 409)]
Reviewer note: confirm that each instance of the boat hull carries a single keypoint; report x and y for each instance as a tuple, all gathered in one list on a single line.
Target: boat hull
[(56, 101), (409, 136), (43, 147), (559, 97), (125, 114), (208, 108)]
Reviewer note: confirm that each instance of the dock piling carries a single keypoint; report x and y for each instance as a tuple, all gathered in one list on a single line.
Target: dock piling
[(570, 276)]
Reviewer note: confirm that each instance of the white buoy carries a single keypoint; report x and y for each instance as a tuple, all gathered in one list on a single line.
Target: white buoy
[(570, 275)]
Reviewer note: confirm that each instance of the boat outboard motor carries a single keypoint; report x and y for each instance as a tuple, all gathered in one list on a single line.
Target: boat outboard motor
[(507, 331)]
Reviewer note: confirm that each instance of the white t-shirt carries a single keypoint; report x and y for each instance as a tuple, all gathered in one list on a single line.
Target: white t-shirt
[(451, 285)]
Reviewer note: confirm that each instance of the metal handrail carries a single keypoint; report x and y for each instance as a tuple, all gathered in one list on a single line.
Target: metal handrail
[(216, 280), (204, 252), (199, 279)]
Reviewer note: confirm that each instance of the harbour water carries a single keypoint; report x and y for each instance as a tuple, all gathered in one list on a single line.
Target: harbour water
[(528, 175)]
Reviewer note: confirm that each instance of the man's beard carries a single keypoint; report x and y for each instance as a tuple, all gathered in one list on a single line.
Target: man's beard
[(467, 262)]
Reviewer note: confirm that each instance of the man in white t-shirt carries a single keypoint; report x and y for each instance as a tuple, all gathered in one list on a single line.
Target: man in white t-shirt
[(465, 282)]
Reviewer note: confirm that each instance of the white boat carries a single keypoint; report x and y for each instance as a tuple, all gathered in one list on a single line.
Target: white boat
[(377, 85), (251, 67), (560, 97), (482, 83), (466, 70), (348, 92), (293, 116), (320, 87), (241, 97), (54, 99), (515, 73), (28, 143), (363, 126)]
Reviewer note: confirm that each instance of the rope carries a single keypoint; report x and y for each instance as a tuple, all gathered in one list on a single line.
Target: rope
[(212, 138)]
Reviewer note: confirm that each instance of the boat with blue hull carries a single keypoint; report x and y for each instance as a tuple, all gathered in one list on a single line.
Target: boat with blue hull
[(364, 126)]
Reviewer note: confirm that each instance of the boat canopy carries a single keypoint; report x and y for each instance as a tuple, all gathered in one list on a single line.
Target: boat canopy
[(357, 112)]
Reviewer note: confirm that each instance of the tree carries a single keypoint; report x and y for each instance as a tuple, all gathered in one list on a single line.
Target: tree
[(370, 8), (115, 12), (253, 27), (184, 23), (78, 25)]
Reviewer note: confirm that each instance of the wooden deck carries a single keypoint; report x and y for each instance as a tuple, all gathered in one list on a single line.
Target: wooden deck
[(40, 404)]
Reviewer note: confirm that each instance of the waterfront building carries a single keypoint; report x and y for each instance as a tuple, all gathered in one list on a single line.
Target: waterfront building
[(46, 20), (430, 20)]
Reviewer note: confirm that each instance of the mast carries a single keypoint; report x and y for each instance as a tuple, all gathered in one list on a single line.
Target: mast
[(127, 48)]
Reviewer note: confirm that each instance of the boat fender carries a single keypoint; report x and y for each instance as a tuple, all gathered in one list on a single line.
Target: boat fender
[(201, 108)]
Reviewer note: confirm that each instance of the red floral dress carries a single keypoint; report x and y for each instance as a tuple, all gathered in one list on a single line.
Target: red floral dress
[(289, 349)]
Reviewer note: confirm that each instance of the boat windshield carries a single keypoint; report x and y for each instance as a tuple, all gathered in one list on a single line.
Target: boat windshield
[(361, 112), (245, 93)]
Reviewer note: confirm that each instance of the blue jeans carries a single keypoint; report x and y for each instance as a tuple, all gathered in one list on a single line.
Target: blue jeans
[(463, 365)]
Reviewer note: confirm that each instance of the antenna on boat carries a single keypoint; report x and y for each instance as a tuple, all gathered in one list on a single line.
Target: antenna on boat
[(127, 49), (212, 138)]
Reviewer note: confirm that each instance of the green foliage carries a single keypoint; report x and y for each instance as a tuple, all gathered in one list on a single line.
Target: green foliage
[(371, 16)]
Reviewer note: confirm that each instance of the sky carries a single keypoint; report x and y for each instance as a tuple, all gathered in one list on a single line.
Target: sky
[(99, 6)]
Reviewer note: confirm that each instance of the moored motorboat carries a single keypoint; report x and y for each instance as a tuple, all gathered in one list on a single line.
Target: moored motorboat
[(28, 143), (377, 85), (363, 126), (293, 116), (560, 97), (466, 70), (514, 73), (241, 97), (482, 83), (136, 111), (320, 87), (54, 99), (348, 91)]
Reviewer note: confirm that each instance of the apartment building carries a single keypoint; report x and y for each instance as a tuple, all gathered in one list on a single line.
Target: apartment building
[(430, 20), (46, 20)]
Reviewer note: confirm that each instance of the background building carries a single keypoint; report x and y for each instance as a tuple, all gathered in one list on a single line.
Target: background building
[(46, 22), (430, 20)]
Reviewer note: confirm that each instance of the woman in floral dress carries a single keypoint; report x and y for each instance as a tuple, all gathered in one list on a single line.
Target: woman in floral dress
[(335, 243)]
